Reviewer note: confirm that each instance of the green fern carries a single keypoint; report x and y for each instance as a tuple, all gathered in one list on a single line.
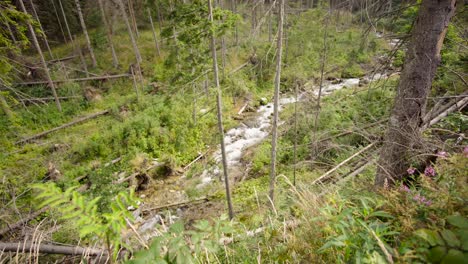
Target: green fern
[(93, 225)]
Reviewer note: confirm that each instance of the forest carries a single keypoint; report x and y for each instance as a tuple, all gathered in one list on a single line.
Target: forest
[(233, 131)]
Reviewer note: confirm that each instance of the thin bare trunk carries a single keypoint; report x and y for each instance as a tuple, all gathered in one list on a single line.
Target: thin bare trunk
[(131, 12), (129, 28), (12, 35), (135, 86), (66, 21), (219, 113), (223, 55), (236, 30), (43, 35), (85, 31), (295, 134), (115, 61), (422, 58), (154, 33), (80, 53), (160, 19), (134, 43), (59, 22), (274, 140), (43, 62), (5, 108), (270, 27)]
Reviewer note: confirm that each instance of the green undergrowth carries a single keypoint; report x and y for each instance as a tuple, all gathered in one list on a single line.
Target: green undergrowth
[(351, 223)]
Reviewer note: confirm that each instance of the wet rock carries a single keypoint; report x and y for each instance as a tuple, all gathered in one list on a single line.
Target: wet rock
[(336, 81)]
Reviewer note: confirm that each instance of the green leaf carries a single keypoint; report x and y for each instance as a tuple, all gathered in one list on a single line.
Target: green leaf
[(382, 214), (430, 236), (437, 253), (177, 227), (458, 221), (330, 244), (450, 238), (454, 257)]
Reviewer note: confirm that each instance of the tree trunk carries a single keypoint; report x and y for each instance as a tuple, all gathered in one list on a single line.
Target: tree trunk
[(59, 22), (5, 108), (131, 12), (12, 35), (43, 62), (66, 21), (44, 37), (274, 140), (115, 61), (29, 247), (154, 33), (129, 28), (219, 112), (77, 46), (85, 31), (422, 59)]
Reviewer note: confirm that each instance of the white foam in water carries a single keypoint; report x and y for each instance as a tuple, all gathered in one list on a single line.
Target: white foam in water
[(238, 139)]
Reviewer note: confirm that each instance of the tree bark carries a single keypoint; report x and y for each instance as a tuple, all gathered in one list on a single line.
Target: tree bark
[(85, 31), (422, 59), (43, 62), (219, 111), (279, 51), (115, 61)]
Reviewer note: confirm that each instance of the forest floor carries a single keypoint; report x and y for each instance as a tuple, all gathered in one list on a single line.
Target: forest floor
[(164, 143)]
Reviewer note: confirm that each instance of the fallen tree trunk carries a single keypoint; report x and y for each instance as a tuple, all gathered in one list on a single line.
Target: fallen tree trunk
[(94, 78), (457, 105), (61, 59), (42, 134), (44, 99), (177, 205), (29, 247)]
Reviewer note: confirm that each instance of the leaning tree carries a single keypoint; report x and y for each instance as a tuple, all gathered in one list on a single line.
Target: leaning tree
[(422, 58)]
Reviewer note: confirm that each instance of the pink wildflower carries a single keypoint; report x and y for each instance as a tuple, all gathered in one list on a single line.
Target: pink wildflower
[(442, 154), (405, 188), (411, 170), (429, 171), (465, 151)]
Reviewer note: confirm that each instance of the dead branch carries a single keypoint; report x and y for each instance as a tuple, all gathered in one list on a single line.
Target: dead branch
[(44, 99), (178, 205), (29, 247), (457, 106), (243, 108), (239, 68), (326, 174), (79, 120), (106, 77)]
